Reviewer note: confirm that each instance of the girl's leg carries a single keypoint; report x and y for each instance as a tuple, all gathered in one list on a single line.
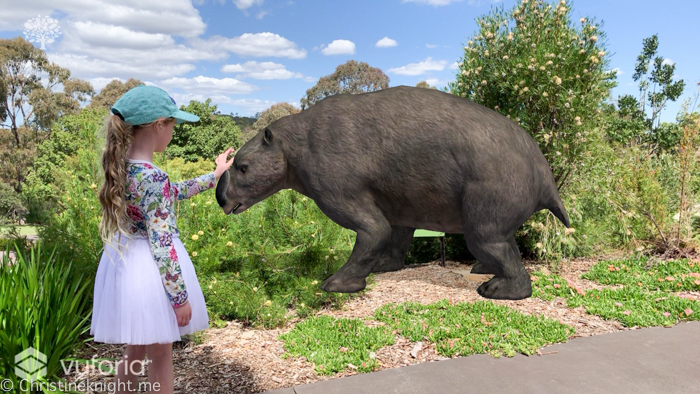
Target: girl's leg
[(127, 377), (161, 368)]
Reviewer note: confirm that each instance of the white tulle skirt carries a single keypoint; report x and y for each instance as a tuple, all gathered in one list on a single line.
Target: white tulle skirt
[(130, 304)]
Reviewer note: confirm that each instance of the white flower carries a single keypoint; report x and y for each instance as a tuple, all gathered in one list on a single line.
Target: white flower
[(583, 20), (541, 67), (194, 254), (578, 120), (549, 63), (483, 82), (582, 51), (505, 57), (229, 243), (601, 54), (200, 232), (594, 38), (557, 80), (510, 36), (544, 94)]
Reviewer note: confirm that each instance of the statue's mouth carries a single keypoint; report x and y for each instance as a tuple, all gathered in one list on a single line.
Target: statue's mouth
[(234, 208)]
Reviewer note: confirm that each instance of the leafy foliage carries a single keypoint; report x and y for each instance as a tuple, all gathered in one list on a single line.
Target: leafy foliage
[(207, 138), (533, 65), (111, 93), (351, 77), (43, 304), (273, 114)]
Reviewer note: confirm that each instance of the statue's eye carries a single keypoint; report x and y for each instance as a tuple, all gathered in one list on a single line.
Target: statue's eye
[(244, 169)]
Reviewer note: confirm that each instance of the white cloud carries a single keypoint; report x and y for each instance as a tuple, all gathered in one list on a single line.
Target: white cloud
[(432, 81), (261, 14), (420, 68), (254, 44), (245, 4), (98, 34), (209, 85), (177, 17), (668, 61), (339, 47), (431, 46), (82, 66), (454, 66), (617, 69), (431, 2), (386, 42), (263, 70)]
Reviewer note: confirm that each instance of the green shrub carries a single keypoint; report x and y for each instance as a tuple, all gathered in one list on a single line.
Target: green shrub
[(42, 305)]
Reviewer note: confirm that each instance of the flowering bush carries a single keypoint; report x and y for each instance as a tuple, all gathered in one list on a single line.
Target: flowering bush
[(532, 64)]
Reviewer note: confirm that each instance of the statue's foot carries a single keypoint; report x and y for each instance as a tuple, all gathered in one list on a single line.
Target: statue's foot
[(336, 284), (506, 288)]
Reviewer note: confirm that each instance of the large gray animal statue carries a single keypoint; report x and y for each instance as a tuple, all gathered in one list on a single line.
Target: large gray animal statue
[(388, 162)]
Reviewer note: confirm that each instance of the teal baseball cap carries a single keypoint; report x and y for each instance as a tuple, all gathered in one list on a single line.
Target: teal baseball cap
[(144, 104)]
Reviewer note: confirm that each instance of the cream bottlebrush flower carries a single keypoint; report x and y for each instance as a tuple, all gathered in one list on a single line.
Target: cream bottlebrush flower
[(594, 38), (510, 36)]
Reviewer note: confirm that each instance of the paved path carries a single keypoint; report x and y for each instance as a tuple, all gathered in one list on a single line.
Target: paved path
[(649, 360)]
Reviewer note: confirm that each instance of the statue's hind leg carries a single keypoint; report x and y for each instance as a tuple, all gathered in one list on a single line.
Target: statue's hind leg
[(393, 257), (490, 219), (511, 281)]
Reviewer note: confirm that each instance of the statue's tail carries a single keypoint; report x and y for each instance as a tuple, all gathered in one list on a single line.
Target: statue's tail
[(557, 208)]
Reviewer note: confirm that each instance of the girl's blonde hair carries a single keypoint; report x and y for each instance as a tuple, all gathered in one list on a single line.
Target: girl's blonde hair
[(119, 135), (112, 195)]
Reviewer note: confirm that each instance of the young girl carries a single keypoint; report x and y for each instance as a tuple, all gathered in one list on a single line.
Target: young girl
[(146, 289)]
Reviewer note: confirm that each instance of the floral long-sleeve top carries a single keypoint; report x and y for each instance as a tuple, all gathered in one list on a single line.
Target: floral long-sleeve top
[(150, 199)]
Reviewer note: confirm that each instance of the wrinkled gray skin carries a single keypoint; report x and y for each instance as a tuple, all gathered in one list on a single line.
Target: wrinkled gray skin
[(388, 162)]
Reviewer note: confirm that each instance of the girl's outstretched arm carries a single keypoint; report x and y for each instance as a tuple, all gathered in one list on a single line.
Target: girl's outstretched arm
[(191, 187)]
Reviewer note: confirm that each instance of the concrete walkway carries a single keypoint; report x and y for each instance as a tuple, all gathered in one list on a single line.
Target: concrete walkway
[(649, 360)]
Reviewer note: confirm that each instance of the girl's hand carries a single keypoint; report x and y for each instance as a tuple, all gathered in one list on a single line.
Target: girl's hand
[(183, 314), (221, 164)]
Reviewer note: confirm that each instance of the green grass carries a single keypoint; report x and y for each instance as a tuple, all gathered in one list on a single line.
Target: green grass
[(334, 345), (631, 305), (472, 328), (674, 275), (23, 230)]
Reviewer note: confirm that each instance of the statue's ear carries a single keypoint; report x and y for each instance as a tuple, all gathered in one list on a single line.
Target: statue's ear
[(267, 137)]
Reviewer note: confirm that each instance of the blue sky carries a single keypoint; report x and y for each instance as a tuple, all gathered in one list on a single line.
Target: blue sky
[(249, 54)]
